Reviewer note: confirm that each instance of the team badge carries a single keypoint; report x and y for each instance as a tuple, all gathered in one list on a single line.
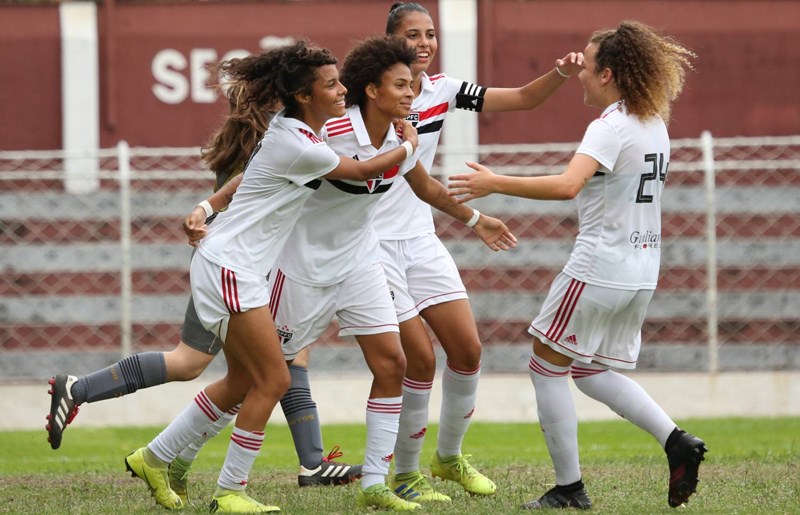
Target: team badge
[(284, 335)]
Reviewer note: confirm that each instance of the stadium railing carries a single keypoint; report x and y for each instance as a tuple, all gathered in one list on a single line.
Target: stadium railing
[(95, 265)]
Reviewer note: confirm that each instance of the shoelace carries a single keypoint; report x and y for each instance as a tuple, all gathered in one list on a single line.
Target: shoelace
[(335, 453), (464, 468)]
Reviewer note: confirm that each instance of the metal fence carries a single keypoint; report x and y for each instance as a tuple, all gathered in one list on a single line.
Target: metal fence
[(95, 266)]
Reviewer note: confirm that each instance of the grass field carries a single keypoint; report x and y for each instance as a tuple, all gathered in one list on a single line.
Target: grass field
[(753, 466)]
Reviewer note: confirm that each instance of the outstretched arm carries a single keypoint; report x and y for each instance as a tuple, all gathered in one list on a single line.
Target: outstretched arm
[(552, 187), (492, 231), (536, 92), (349, 168)]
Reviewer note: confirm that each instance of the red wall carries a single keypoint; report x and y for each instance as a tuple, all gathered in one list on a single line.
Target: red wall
[(746, 81)]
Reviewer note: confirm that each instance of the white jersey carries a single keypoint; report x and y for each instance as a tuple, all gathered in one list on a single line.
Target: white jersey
[(334, 236), (619, 209), (282, 173), (400, 214)]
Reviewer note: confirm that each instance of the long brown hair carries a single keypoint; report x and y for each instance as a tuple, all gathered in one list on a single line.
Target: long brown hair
[(648, 69), (257, 86)]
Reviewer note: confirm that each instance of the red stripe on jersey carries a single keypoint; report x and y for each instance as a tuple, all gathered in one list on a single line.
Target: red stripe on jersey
[(339, 127), (565, 310), (433, 111), (436, 77), (391, 172), (310, 135)]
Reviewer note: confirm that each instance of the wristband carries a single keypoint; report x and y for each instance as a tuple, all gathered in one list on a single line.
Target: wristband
[(409, 149), (558, 71), (474, 220), (206, 205)]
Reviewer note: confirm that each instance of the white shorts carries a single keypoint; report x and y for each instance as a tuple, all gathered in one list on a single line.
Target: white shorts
[(361, 303), (421, 273), (592, 323), (218, 292)]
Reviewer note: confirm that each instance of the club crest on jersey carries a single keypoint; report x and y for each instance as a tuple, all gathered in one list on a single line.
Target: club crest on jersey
[(413, 117), (284, 335)]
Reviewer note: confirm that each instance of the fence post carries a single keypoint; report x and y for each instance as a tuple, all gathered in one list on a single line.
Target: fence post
[(707, 144), (125, 273)]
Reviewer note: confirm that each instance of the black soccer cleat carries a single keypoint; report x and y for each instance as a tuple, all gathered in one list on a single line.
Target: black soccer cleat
[(684, 453), (62, 408), (572, 496), (329, 472)]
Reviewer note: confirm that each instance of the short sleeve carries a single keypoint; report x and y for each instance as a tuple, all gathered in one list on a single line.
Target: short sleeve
[(602, 143), (316, 161)]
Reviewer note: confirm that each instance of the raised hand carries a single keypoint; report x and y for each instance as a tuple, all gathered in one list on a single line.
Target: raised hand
[(571, 64), (473, 185)]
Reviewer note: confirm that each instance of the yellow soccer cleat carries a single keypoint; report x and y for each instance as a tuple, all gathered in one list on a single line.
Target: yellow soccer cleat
[(381, 497), (457, 468), (155, 478), (414, 487), (237, 501)]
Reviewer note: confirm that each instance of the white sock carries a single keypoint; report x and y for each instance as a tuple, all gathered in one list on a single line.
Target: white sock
[(190, 452), (188, 427), (413, 422), (242, 452), (557, 417), (625, 397), (459, 392), (383, 419)]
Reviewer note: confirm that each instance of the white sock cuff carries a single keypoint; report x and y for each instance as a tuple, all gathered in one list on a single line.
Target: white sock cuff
[(543, 369), (461, 375), (250, 442), (385, 405), (417, 387), (207, 407)]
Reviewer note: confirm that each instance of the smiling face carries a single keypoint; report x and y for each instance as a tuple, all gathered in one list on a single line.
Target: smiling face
[(394, 95), (326, 100), (417, 29)]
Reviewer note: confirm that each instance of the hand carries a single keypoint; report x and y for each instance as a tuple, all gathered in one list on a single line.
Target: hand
[(494, 233), (195, 226), (406, 130), (571, 64), (473, 185)]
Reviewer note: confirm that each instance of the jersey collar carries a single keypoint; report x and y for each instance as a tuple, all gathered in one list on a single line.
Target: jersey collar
[(360, 129), (281, 120)]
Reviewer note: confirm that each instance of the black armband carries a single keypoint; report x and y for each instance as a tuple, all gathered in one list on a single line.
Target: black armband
[(470, 97)]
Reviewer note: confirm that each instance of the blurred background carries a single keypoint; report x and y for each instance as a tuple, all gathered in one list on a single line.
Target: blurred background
[(105, 105)]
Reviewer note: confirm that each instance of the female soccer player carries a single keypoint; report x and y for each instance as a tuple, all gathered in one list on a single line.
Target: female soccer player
[(329, 265), (229, 269), (592, 318)]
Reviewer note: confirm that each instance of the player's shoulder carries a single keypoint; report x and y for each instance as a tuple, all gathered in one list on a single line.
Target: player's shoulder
[(338, 127)]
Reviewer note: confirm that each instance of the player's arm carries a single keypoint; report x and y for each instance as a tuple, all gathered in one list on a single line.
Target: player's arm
[(565, 186), (536, 92), (492, 231), (349, 168)]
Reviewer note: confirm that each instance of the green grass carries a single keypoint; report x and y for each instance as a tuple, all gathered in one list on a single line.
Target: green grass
[(753, 466)]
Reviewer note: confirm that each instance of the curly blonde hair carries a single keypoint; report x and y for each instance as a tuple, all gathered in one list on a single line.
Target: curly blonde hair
[(649, 69)]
